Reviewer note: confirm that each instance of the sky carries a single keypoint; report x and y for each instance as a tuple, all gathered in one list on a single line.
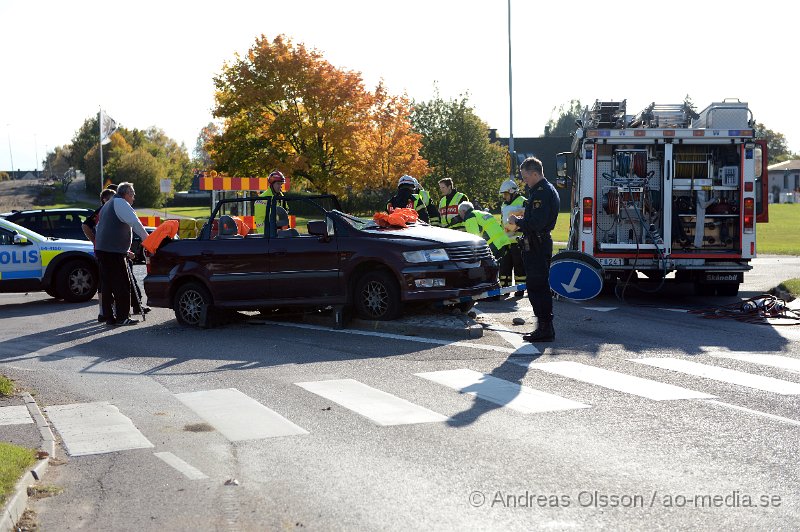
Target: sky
[(152, 63)]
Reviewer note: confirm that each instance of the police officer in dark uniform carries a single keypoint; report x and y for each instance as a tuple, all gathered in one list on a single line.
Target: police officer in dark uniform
[(541, 213)]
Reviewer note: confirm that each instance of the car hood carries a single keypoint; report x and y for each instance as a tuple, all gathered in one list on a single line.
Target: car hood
[(426, 233)]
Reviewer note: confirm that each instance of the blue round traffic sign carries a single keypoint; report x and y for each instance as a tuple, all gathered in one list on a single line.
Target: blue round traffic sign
[(574, 277)]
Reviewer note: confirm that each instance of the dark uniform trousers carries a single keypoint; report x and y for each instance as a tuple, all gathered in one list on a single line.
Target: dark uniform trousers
[(512, 262), (537, 268)]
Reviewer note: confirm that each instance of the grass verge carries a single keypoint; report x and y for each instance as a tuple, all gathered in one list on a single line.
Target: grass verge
[(6, 386), (14, 460), (792, 286)]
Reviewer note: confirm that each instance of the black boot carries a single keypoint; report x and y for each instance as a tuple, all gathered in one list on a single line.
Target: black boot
[(544, 333)]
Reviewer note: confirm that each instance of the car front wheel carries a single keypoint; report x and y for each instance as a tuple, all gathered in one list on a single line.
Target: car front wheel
[(190, 300), (76, 281), (377, 297)]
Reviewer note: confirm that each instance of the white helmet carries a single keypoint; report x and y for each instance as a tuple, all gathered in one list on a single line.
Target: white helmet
[(508, 186), (408, 180)]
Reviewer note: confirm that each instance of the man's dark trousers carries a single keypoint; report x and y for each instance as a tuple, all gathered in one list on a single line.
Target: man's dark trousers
[(116, 285)]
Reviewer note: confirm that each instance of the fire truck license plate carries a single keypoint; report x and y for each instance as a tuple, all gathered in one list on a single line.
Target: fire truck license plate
[(611, 261)]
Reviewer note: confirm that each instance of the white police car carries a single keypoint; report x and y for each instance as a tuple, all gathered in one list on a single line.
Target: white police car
[(64, 268)]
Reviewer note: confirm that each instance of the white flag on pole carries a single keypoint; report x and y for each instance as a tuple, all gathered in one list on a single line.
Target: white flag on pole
[(107, 127)]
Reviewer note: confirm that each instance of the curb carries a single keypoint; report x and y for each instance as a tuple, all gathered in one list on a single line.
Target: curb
[(468, 329), (16, 504)]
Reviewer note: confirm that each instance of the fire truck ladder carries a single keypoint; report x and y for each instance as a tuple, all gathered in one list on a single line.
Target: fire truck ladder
[(655, 115), (605, 115)]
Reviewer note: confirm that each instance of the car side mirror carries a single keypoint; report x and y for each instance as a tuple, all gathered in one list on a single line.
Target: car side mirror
[(20, 240), (318, 228), (562, 173)]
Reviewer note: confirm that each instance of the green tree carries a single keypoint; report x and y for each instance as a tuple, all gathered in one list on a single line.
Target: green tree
[(455, 142), (145, 172), (57, 162), (564, 124), (201, 157), (87, 137), (777, 147)]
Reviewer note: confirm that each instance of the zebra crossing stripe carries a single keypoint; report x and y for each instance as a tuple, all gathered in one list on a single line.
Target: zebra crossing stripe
[(381, 407), (501, 392), (15, 415), (190, 472), (775, 361), (95, 428), (621, 382), (237, 416), (740, 378)]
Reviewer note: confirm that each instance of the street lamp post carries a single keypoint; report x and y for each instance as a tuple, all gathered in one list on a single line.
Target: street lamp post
[(511, 156)]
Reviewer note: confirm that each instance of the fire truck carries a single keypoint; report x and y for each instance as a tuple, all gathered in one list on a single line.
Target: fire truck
[(667, 190)]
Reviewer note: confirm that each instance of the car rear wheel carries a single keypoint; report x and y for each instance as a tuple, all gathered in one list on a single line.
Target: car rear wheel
[(189, 302), (76, 281), (377, 297), (52, 292)]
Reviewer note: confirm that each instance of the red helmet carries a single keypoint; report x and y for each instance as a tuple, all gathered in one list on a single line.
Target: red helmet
[(276, 177)]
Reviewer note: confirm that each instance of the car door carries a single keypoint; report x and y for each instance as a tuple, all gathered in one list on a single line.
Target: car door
[(237, 268), (20, 263), (305, 267)]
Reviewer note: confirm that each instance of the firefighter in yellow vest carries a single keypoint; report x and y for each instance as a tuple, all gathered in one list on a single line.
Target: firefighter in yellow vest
[(448, 205), (275, 188), (422, 204), (486, 226), (513, 203)]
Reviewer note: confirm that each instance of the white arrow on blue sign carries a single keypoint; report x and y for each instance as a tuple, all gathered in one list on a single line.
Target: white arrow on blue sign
[(575, 279)]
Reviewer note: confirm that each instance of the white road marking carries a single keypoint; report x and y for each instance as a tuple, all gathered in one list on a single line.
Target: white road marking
[(95, 428), (514, 338), (756, 412), (501, 392), (190, 472), (237, 416), (681, 310), (758, 382), (381, 407), (401, 337), (15, 415), (621, 382), (601, 309), (775, 361)]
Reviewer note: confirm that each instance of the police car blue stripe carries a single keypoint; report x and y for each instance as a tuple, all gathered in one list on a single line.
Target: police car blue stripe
[(24, 274)]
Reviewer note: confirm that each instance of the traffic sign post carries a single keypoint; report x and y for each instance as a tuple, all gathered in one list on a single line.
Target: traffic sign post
[(575, 275)]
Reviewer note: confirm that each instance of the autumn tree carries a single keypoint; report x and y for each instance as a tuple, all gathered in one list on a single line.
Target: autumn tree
[(455, 142), (284, 106)]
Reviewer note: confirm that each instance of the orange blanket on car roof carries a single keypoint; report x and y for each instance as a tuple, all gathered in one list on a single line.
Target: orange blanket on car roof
[(167, 229), (396, 218)]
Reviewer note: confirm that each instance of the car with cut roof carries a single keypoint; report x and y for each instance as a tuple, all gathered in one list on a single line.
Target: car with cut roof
[(311, 254)]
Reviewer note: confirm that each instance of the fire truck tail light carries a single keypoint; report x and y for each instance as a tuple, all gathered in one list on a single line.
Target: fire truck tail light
[(748, 187), (749, 218), (588, 205)]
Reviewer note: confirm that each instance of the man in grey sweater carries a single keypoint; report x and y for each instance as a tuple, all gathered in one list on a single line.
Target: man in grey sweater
[(112, 245)]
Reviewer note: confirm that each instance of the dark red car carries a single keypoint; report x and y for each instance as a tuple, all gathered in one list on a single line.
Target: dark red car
[(326, 258)]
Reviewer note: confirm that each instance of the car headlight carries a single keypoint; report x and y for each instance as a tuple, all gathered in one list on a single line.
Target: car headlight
[(426, 255)]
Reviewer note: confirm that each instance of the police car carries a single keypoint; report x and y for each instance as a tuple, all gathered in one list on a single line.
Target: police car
[(29, 262)]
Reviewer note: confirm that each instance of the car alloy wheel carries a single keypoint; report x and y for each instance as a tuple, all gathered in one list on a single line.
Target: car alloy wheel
[(377, 296), (189, 303), (76, 281)]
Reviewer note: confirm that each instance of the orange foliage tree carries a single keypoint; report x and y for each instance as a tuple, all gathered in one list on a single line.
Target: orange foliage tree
[(284, 106)]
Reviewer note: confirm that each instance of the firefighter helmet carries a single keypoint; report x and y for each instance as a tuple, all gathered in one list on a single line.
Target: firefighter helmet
[(407, 180), (276, 177), (508, 186)]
